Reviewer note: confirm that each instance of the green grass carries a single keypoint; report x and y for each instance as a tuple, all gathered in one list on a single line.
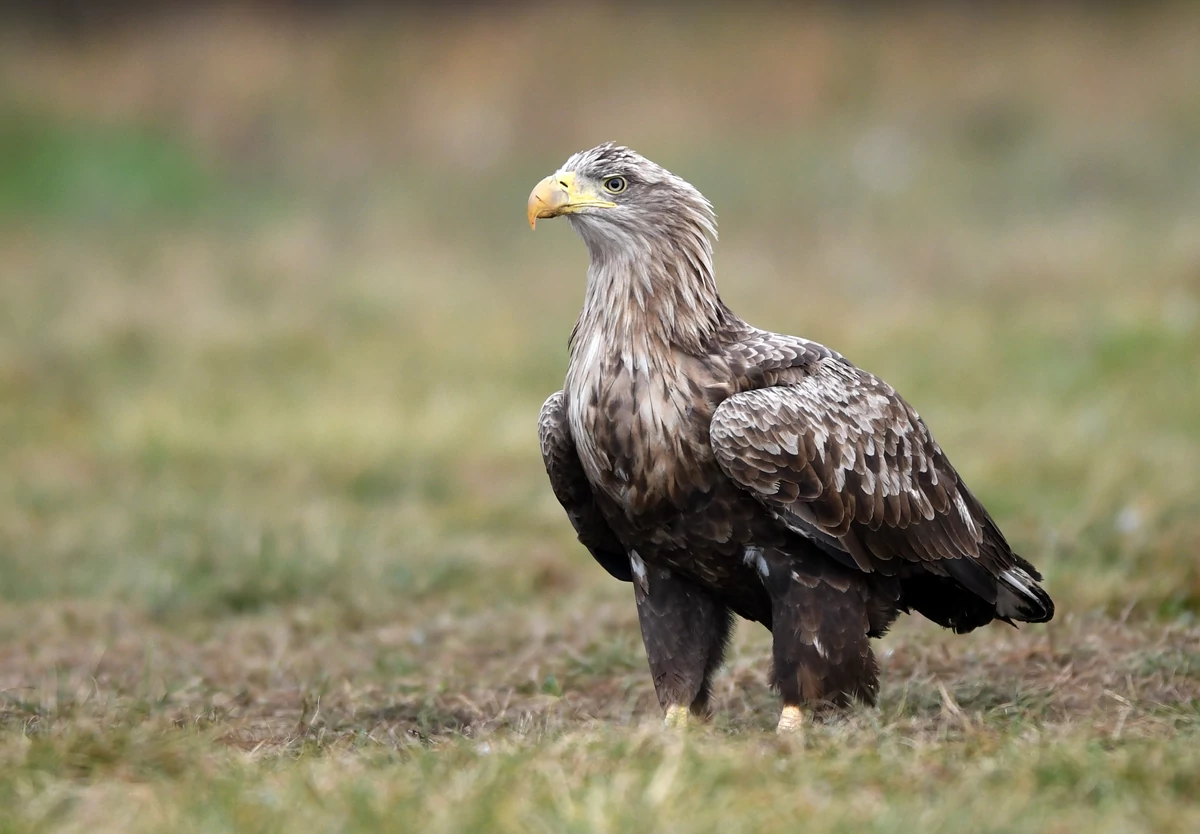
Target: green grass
[(276, 548), (88, 173)]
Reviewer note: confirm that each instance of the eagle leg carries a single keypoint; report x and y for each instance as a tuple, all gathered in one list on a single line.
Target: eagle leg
[(821, 654), (685, 630)]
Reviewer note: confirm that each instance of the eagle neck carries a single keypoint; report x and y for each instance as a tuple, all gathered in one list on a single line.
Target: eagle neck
[(653, 297)]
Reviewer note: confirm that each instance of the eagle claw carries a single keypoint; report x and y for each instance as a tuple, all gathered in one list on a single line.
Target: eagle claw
[(676, 717), (791, 720)]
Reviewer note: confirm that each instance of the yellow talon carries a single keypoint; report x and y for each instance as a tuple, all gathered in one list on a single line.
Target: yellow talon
[(677, 717), (790, 720)]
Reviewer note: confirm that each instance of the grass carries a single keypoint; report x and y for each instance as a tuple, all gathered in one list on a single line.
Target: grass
[(276, 549)]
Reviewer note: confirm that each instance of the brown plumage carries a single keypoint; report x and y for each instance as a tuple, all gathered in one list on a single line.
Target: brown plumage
[(724, 469)]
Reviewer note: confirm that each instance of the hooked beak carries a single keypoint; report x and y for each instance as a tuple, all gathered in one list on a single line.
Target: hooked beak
[(561, 194)]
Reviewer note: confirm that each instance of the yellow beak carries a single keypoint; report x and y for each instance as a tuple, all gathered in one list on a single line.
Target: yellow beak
[(561, 194)]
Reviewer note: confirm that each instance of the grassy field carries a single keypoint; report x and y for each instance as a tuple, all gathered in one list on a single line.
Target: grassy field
[(276, 548)]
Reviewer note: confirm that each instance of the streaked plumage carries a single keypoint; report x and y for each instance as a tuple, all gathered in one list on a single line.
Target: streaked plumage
[(724, 469)]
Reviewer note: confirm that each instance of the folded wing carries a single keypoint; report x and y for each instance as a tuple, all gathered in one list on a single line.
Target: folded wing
[(571, 488), (838, 456)]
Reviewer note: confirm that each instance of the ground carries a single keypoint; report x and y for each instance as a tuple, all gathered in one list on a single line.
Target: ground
[(276, 549)]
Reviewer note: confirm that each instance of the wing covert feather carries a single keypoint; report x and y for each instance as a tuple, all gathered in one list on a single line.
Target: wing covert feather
[(836, 454), (574, 492)]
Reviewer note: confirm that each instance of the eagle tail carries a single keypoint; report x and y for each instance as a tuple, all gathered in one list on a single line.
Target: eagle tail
[(1019, 597)]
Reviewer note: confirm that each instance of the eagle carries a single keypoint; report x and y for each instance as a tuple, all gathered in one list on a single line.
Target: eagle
[(723, 469)]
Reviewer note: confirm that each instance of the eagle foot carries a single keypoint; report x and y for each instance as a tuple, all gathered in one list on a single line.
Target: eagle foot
[(791, 720), (676, 717)]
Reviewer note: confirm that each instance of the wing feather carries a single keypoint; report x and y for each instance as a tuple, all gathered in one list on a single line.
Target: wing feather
[(572, 489), (838, 455)]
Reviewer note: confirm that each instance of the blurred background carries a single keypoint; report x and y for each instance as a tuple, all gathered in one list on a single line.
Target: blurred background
[(276, 544), (274, 331)]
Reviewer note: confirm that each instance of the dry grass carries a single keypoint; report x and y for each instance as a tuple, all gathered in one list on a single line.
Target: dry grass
[(514, 717), (276, 551), (271, 683)]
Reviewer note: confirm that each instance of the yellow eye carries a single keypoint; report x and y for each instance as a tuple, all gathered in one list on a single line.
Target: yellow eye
[(614, 185)]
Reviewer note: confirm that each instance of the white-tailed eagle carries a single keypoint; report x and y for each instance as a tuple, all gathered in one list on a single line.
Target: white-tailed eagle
[(724, 469)]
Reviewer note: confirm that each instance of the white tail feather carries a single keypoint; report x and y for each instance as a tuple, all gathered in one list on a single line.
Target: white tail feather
[(1019, 596), (1019, 580)]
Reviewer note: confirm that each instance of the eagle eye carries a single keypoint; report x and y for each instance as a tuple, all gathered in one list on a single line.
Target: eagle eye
[(615, 185)]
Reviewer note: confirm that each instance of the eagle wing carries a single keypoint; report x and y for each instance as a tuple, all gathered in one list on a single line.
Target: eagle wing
[(839, 457), (571, 488)]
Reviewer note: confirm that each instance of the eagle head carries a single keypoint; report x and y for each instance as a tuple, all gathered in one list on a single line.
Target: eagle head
[(615, 197)]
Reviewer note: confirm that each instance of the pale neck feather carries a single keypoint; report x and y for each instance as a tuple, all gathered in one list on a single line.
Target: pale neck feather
[(649, 291)]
